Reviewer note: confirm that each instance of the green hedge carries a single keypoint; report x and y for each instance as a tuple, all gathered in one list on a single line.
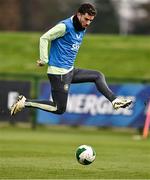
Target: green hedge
[(115, 56)]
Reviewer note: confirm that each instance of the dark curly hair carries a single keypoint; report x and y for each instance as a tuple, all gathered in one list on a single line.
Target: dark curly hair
[(87, 8)]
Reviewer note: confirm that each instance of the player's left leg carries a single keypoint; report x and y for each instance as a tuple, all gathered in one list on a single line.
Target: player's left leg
[(83, 75)]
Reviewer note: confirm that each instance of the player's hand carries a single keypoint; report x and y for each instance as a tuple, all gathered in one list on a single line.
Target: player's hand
[(40, 63)]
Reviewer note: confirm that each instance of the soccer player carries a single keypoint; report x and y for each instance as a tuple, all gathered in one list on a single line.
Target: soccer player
[(65, 39)]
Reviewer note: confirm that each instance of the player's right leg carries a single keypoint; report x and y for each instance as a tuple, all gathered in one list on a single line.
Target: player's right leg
[(59, 85), (57, 107), (18, 105)]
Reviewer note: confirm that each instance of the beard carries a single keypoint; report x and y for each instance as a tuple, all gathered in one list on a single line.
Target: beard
[(77, 25)]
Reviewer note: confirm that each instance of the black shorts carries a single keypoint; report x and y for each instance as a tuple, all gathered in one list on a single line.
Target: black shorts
[(61, 83)]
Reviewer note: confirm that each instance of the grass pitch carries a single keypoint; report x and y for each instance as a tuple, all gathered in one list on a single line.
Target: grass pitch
[(49, 153)]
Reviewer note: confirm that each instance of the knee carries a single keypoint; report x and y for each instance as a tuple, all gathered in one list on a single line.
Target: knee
[(99, 75)]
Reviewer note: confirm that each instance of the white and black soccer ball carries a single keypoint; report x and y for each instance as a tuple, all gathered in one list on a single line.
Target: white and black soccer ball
[(85, 154)]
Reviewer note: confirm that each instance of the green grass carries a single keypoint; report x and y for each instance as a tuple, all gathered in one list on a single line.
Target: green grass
[(49, 153), (115, 56)]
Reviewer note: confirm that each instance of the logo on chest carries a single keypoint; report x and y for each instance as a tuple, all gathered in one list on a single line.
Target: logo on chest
[(75, 47), (78, 36)]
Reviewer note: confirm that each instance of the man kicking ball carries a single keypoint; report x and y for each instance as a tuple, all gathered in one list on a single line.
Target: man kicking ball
[(65, 39)]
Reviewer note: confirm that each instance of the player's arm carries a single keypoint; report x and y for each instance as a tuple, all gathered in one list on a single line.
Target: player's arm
[(54, 33)]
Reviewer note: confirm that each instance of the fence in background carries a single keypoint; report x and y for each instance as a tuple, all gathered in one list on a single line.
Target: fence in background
[(9, 92), (14, 88), (87, 107), (36, 79)]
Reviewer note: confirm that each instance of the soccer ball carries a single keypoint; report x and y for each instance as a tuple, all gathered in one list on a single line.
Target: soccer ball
[(85, 154)]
